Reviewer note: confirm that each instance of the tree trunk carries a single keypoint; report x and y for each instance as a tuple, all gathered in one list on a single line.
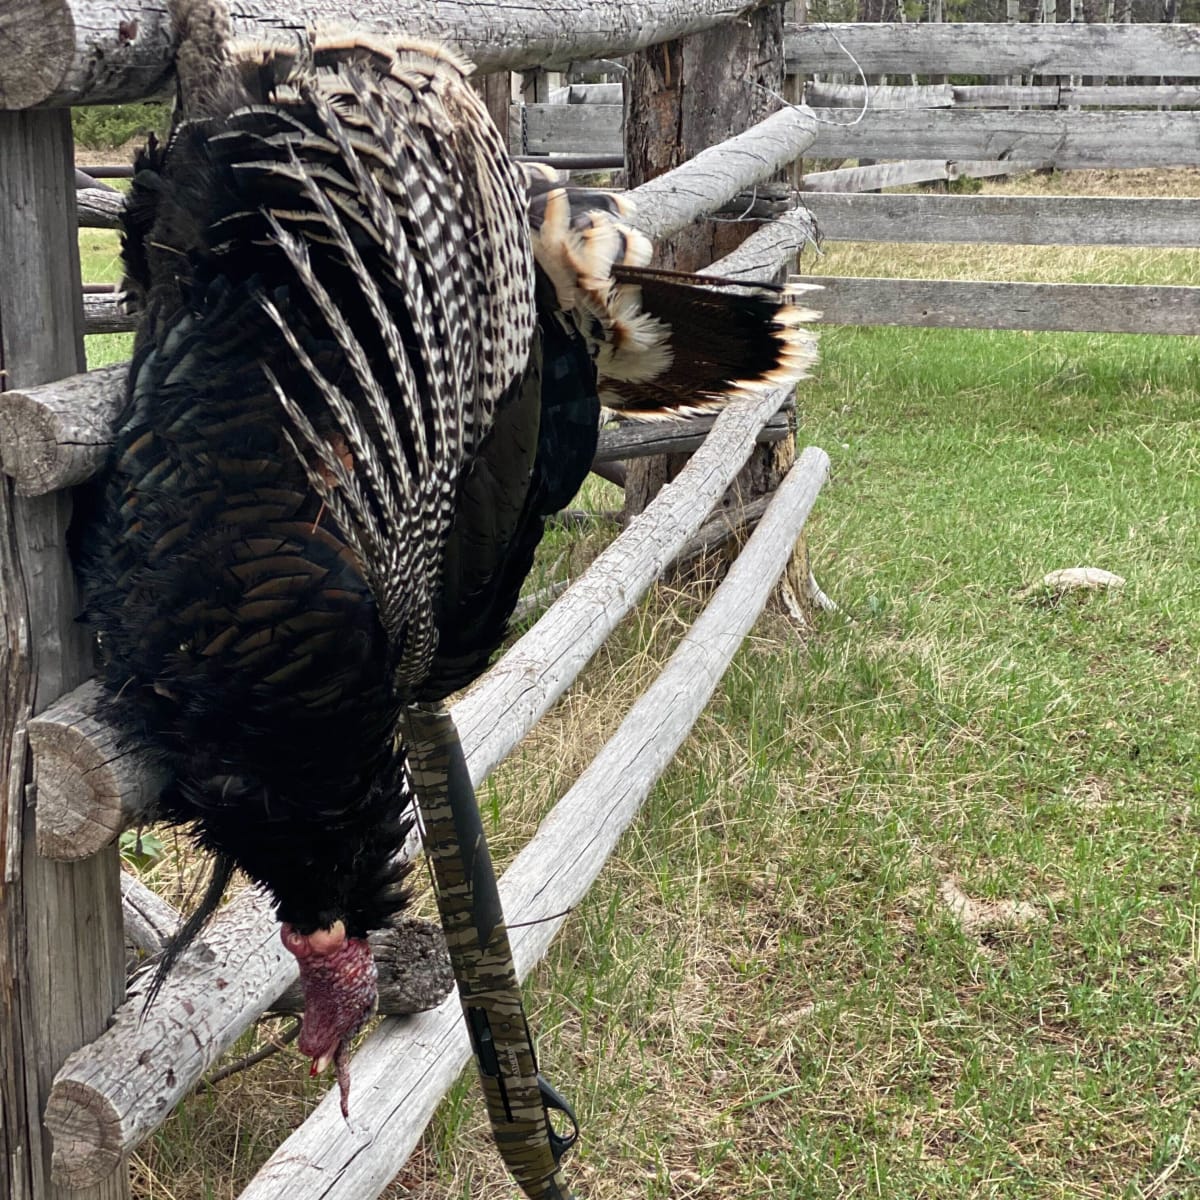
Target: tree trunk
[(682, 97)]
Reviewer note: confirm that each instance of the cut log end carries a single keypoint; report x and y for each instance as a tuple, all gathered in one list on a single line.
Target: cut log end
[(87, 1133), (58, 434), (89, 787), (28, 445), (414, 967)]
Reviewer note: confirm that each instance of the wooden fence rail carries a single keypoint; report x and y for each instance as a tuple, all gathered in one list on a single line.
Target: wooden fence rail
[(905, 48), (955, 121), (945, 95), (1069, 140), (916, 170), (1066, 139), (61, 52), (1014, 220), (1065, 307)]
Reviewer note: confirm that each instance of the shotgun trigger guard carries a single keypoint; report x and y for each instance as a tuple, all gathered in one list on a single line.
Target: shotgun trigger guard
[(552, 1098)]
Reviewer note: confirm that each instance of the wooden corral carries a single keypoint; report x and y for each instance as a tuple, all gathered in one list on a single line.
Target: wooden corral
[(1059, 121), (88, 1076), (1059, 113), (69, 1048)]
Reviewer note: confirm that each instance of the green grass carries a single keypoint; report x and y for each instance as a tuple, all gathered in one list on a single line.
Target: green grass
[(915, 912), (770, 990), (100, 262)]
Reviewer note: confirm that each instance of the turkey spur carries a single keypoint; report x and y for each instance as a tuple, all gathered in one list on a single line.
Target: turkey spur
[(371, 359)]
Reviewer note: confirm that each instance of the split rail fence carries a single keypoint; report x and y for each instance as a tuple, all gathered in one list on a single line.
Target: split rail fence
[(945, 124), (84, 1075), (940, 131)]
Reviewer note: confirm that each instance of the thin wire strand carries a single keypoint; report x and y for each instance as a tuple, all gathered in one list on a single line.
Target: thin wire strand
[(566, 912), (857, 66)]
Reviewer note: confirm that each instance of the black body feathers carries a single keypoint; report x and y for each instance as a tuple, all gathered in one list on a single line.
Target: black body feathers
[(370, 362)]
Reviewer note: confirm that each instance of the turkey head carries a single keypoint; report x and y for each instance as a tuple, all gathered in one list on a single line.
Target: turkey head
[(337, 974)]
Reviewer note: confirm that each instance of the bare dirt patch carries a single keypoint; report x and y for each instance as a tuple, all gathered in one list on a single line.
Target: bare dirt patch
[(985, 916)]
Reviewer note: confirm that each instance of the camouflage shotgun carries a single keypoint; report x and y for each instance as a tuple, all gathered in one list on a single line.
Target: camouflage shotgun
[(518, 1099)]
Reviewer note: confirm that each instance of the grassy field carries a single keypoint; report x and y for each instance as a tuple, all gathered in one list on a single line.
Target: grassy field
[(915, 912)]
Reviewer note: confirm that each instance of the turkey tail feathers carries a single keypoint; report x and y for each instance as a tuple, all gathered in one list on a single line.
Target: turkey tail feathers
[(665, 343), (721, 339), (379, 179)]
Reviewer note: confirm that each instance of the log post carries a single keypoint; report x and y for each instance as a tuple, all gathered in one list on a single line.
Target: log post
[(62, 966), (496, 92), (683, 97), (90, 785)]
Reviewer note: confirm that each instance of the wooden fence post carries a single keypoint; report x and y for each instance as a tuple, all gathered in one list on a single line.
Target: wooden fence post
[(684, 96), (496, 91), (61, 947)]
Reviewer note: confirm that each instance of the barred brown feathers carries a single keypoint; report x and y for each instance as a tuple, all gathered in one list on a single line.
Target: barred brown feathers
[(384, 162)]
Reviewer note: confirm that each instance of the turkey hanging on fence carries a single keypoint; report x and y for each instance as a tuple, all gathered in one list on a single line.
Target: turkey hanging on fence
[(371, 359)]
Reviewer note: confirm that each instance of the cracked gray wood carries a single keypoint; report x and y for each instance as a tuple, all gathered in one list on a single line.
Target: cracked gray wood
[(103, 1104), (104, 51), (671, 437), (150, 922), (672, 201), (1082, 307), (99, 209), (56, 435), (62, 962), (844, 95), (571, 128), (587, 93), (767, 249), (1022, 220), (914, 170), (1072, 140), (90, 785), (986, 48), (104, 313)]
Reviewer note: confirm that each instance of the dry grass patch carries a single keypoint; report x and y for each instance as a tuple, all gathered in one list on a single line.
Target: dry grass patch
[(1031, 264), (1136, 181)]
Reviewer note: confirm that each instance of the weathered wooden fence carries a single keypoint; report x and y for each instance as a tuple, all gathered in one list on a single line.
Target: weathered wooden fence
[(1042, 124), (943, 131), (1051, 118), (86, 1077)]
